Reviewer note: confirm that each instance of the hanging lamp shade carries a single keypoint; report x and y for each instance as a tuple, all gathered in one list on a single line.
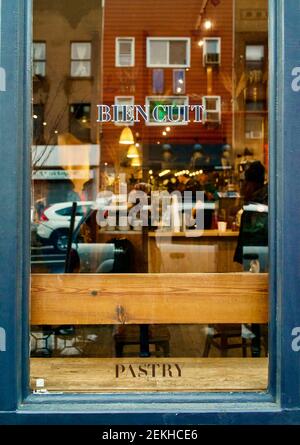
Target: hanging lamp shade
[(136, 162), (126, 137), (132, 152)]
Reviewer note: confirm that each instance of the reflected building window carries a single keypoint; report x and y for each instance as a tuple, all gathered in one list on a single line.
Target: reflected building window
[(38, 124), (179, 81), (122, 101), (39, 59), (211, 51), (158, 81), (170, 52), (125, 51), (81, 54), (80, 121), (212, 109)]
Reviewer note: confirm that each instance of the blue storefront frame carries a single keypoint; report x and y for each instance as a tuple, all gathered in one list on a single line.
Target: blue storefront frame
[(281, 404)]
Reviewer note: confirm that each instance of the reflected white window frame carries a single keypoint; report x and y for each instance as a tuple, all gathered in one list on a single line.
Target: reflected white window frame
[(168, 64), (206, 40), (118, 41), (118, 101), (148, 99), (41, 61), (216, 111), (87, 60)]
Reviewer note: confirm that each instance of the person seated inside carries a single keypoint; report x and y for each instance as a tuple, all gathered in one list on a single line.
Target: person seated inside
[(253, 232), (253, 225)]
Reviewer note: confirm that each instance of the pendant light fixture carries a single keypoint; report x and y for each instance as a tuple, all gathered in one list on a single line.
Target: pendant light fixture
[(136, 162), (132, 152), (126, 137)]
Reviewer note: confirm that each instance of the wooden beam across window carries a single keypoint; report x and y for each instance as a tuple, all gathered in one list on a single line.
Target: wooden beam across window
[(149, 298)]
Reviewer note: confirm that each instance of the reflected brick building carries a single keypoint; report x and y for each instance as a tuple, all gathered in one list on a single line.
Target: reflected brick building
[(251, 80), (167, 48), (66, 90)]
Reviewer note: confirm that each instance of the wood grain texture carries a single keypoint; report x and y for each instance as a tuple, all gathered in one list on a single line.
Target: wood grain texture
[(100, 375), (149, 298)]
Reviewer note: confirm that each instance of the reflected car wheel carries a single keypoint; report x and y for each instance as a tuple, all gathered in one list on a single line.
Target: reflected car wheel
[(60, 240)]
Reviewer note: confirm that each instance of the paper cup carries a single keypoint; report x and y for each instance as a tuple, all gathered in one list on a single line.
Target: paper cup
[(222, 226)]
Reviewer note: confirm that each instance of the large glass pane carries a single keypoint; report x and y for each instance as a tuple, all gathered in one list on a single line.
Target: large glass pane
[(178, 52), (158, 52), (149, 195)]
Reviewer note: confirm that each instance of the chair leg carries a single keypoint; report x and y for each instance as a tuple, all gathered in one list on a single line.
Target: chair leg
[(207, 346), (256, 346), (166, 348), (244, 347), (119, 350), (224, 345)]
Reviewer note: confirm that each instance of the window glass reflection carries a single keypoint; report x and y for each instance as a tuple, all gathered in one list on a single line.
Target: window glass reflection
[(173, 179)]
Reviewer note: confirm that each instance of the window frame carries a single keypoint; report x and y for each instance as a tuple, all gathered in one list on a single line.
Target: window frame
[(81, 60), (183, 92), (280, 405), (117, 52), (217, 111), (72, 115), (161, 97), (205, 40), (44, 61), (132, 103), (168, 65)]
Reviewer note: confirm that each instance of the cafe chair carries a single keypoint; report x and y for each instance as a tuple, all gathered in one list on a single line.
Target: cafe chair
[(159, 336), (252, 251), (220, 336)]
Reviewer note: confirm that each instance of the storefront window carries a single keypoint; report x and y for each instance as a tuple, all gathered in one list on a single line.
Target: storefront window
[(149, 251)]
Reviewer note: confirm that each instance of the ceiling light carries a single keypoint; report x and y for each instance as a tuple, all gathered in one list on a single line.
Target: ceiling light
[(132, 152), (136, 162), (126, 137), (207, 25)]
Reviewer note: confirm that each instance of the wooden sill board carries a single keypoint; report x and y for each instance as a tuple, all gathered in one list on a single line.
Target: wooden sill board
[(197, 375)]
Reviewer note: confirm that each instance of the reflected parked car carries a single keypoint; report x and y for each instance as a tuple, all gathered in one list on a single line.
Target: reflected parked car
[(87, 254), (54, 223)]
